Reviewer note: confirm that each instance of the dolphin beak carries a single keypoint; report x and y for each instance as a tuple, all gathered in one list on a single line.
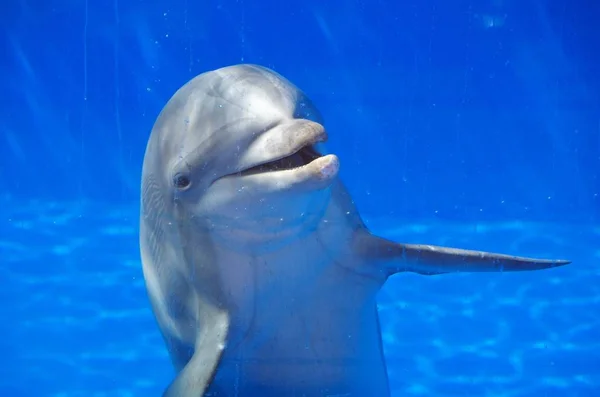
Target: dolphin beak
[(286, 146)]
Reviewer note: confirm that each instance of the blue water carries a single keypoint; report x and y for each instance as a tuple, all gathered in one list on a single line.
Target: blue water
[(472, 124)]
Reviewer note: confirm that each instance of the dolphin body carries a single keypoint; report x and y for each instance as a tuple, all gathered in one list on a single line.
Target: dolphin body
[(260, 272)]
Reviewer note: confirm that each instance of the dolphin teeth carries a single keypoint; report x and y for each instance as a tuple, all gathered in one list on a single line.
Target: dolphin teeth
[(302, 157)]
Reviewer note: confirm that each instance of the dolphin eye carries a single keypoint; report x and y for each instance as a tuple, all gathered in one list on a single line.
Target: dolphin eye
[(181, 181)]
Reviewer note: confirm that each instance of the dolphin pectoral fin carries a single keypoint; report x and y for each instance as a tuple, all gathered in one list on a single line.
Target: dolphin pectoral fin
[(195, 378), (391, 258), (431, 259)]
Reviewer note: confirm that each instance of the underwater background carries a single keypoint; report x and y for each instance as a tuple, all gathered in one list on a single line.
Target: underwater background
[(464, 123)]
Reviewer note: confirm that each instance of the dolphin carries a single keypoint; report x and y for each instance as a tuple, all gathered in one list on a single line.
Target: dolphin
[(260, 271)]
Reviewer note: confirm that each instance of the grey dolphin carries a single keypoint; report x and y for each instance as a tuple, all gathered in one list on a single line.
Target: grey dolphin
[(260, 272)]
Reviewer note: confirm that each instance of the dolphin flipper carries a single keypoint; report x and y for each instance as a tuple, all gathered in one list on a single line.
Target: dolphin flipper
[(195, 378), (431, 259), (392, 258)]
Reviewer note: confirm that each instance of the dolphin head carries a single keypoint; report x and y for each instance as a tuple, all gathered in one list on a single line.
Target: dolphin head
[(241, 154)]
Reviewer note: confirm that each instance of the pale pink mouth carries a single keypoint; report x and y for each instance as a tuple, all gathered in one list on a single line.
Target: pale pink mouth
[(303, 157)]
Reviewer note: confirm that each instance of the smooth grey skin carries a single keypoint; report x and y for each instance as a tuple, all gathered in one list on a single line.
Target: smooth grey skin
[(263, 282)]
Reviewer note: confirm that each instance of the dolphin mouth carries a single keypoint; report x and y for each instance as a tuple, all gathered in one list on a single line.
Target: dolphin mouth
[(304, 156)]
